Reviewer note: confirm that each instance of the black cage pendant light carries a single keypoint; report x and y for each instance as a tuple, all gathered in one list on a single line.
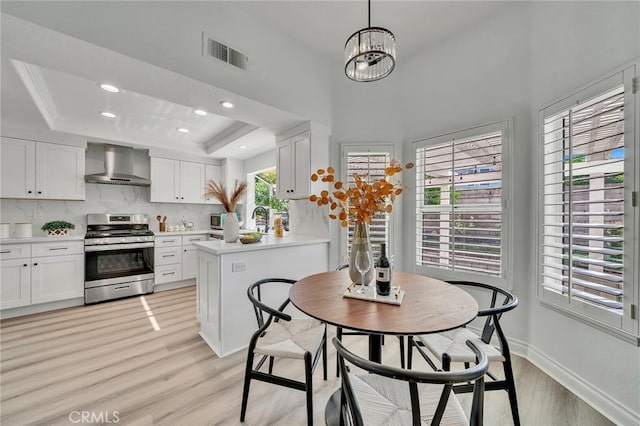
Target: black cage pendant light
[(370, 53)]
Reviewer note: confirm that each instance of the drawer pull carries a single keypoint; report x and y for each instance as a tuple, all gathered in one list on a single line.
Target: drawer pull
[(169, 241), (168, 255), (58, 248), (122, 287), (169, 273), (5, 251)]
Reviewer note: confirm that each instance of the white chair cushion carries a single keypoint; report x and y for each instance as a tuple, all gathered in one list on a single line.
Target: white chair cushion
[(387, 402), (291, 339), (453, 342)]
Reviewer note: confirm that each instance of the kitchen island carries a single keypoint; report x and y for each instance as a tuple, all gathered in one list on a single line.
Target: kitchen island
[(225, 271)]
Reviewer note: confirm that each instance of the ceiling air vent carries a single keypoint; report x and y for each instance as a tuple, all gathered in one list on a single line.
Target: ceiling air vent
[(221, 51)]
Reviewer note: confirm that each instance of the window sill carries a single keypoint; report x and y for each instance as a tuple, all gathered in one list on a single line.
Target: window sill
[(620, 334)]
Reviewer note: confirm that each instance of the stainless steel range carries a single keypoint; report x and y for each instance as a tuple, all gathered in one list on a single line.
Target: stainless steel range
[(118, 256)]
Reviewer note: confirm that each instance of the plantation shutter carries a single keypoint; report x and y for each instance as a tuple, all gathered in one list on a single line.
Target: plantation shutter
[(370, 166), (459, 204), (583, 217)]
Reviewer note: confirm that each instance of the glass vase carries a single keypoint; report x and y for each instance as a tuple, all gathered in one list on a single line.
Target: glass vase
[(360, 241), (231, 228)]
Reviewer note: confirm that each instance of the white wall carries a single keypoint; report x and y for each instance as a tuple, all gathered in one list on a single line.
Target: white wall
[(571, 45), (507, 67)]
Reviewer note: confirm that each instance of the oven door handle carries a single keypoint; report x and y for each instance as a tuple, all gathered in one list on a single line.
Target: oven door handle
[(109, 247)]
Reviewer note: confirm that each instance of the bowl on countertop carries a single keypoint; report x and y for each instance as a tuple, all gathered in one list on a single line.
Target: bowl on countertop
[(250, 238)]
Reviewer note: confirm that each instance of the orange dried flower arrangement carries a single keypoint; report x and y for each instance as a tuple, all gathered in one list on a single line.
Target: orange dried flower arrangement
[(360, 202)]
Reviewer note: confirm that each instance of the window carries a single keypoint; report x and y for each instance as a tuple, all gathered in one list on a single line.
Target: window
[(261, 191), (587, 222), (370, 165), (460, 194)]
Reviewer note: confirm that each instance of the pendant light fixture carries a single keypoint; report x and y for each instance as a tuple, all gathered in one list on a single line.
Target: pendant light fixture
[(370, 53)]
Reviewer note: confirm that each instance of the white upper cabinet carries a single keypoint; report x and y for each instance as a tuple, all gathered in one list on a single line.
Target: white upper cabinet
[(192, 182), (299, 152), (165, 180), (41, 170), (174, 181)]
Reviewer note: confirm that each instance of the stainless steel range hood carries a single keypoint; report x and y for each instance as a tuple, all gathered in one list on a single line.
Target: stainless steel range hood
[(118, 168)]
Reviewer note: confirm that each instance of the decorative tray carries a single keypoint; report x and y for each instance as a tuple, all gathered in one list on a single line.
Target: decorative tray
[(394, 298)]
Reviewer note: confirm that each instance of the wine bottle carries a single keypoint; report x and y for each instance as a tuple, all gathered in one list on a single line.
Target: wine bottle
[(383, 273)]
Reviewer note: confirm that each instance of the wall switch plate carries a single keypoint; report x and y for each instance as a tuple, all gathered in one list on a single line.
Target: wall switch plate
[(238, 266)]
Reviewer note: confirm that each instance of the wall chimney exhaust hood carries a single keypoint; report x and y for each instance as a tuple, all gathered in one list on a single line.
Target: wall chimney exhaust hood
[(118, 168)]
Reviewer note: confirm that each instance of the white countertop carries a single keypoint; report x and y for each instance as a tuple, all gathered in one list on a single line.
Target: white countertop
[(170, 233), (41, 239), (217, 247)]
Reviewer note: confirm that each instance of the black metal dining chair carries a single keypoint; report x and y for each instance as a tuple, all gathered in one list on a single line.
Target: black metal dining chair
[(390, 395), (279, 335), (341, 332), (449, 346)]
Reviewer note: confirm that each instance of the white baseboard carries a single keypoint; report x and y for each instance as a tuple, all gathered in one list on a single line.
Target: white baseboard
[(600, 401), (41, 307)]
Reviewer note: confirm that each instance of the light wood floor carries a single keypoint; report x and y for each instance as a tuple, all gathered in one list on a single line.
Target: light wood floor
[(108, 358)]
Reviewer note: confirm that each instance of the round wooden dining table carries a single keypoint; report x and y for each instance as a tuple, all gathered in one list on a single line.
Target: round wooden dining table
[(429, 306)]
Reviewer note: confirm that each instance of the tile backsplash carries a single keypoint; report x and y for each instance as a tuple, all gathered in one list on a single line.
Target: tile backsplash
[(305, 218), (103, 199)]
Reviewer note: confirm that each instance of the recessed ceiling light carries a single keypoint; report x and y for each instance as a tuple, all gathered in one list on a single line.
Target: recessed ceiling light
[(108, 114), (200, 112), (109, 88), (243, 147), (226, 104), (183, 130)]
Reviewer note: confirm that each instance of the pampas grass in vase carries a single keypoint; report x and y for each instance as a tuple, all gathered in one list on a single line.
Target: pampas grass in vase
[(230, 227)]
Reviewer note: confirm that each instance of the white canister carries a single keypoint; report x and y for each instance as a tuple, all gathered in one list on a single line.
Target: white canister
[(5, 229), (23, 230)]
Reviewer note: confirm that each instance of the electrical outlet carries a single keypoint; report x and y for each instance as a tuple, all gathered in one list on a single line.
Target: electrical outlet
[(238, 266)]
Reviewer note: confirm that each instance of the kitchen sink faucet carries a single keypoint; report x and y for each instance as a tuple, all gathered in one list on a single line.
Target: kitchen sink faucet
[(262, 209)]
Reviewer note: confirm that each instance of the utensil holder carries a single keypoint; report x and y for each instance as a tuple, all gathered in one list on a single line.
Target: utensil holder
[(161, 227)]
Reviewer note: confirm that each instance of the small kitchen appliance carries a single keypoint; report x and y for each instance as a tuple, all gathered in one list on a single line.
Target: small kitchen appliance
[(119, 251), (217, 220)]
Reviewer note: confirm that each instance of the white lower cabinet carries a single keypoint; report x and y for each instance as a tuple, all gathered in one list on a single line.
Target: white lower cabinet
[(46, 272), (57, 278), (168, 273), (175, 257), (15, 283)]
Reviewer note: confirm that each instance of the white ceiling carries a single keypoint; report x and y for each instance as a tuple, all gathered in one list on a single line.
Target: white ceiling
[(151, 109)]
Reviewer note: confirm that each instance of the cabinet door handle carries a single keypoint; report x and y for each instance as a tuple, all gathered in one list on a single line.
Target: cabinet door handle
[(182, 198), (39, 192), (29, 192), (35, 264), (177, 198), (25, 265)]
